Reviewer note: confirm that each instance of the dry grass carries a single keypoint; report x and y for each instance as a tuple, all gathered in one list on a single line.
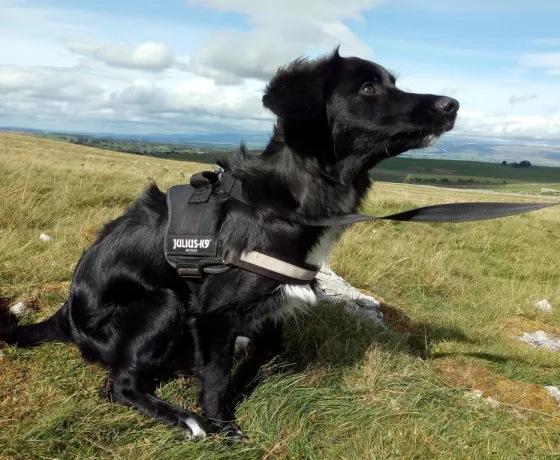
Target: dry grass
[(455, 295), (517, 394)]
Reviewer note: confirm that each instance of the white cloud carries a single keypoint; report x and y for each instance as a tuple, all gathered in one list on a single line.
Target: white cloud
[(230, 56), (150, 56), (545, 42), (486, 106), (479, 6), (287, 11), (79, 99), (542, 60), (278, 36), (549, 62), (519, 98), (477, 122), (49, 83), (148, 75)]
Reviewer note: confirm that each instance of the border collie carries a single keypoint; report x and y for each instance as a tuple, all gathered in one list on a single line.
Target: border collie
[(129, 310)]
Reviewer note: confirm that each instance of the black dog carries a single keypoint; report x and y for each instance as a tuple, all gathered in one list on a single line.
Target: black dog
[(128, 308)]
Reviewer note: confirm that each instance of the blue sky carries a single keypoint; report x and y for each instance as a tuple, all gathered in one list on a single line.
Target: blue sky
[(200, 65)]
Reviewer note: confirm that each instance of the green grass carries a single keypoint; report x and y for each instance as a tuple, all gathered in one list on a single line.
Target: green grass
[(344, 389), (403, 166), (533, 189)]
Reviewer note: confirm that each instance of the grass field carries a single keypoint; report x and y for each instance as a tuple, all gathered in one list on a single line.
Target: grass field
[(456, 298), (403, 169), (550, 189), (471, 173)]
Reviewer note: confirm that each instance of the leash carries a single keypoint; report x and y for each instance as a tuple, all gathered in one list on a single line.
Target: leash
[(439, 213), (191, 234)]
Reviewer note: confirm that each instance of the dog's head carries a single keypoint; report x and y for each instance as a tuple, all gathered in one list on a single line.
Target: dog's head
[(358, 101)]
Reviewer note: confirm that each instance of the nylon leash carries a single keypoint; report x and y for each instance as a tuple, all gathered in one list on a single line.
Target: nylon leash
[(439, 213)]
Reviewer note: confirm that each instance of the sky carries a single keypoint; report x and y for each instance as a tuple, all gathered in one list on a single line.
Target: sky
[(200, 66)]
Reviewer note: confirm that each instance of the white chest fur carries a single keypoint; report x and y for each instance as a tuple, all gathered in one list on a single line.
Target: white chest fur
[(297, 297)]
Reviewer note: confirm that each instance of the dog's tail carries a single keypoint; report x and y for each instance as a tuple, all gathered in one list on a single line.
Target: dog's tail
[(54, 329)]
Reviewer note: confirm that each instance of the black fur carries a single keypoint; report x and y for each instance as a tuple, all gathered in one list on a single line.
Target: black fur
[(129, 310)]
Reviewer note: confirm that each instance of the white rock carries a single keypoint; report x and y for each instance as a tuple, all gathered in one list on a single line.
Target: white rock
[(541, 339), (477, 394), (45, 237), (20, 308), (241, 345), (332, 288), (543, 305), (474, 394), (492, 402), (554, 392)]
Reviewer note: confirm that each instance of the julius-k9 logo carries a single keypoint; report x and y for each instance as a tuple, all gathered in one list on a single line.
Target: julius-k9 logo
[(191, 243)]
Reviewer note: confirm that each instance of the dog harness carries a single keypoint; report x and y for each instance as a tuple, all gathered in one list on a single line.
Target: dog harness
[(191, 238)]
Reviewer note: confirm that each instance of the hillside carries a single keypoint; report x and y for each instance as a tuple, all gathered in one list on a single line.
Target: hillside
[(404, 169), (457, 297), (461, 173), (453, 146)]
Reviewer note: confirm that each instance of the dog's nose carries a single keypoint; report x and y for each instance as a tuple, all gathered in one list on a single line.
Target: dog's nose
[(446, 105)]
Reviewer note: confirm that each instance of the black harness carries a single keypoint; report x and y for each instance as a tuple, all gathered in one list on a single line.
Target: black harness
[(191, 239), (191, 235)]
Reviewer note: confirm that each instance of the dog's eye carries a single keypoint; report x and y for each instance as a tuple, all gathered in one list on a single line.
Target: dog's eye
[(367, 88)]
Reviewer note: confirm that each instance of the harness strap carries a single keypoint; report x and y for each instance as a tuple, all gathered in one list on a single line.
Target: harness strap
[(274, 268), (439, 213)]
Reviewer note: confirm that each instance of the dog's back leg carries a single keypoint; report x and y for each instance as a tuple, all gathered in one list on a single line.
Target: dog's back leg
[(156, 335), (128, 387)]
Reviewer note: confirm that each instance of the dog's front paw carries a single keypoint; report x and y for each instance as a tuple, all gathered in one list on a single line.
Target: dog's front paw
[(194, 431)]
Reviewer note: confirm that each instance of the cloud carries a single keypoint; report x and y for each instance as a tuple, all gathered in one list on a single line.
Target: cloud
[(75, 98), (283, 10), (168, 76), (49, 83), (277, 36), (545, 42), (149, 56), (197, 96), (518, 98), (478, 6), (542, 60), (230, 56), (477, 122), (550, 62)]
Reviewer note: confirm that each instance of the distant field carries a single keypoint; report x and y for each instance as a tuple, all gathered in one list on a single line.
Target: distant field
[(443, 173), (546, 189), (466, 174), (457, 298)]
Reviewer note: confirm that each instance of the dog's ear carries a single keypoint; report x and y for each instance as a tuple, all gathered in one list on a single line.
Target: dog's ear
[(298, 90)]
